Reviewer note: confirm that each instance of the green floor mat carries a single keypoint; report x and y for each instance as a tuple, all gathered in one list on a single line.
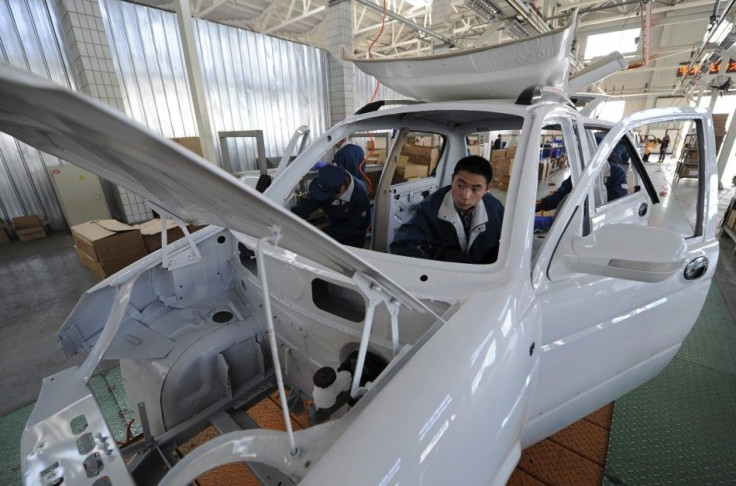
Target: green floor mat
[(11, 428), (679, 428), (107, 388)]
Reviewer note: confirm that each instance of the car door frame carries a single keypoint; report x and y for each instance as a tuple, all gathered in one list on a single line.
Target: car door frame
[(634, 329)]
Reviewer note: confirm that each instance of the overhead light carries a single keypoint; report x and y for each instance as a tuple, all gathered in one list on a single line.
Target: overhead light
[(485, 8), (515, 29)]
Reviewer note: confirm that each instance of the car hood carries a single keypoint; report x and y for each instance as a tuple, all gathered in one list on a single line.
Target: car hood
[(104, 141)]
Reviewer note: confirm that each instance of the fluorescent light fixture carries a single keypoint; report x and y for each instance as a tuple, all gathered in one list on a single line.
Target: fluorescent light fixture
[(515, 29), (485, 8)]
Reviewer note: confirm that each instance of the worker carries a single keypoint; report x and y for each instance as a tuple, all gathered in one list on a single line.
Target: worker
[(497, 142), (458, 223), (663, 147), (344, 200), (350, 157), (614, 178)]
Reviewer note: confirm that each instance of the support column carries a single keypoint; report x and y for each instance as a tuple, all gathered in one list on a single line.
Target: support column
[(341, 77), (725, 155), (194, 75), (94, 71)]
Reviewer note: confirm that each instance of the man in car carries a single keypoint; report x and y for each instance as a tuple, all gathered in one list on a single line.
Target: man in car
[(458, 223), (344, 200), (614, 178)]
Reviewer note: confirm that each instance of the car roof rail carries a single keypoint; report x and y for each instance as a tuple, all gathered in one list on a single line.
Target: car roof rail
[(376, 105), (538, 93)]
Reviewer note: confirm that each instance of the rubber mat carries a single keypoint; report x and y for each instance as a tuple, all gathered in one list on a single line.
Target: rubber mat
[(11, 428), (679, 428), (573, 456)]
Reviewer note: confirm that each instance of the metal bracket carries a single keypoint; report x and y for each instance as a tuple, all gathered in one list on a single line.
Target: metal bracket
[(376, 295), (180, 258)]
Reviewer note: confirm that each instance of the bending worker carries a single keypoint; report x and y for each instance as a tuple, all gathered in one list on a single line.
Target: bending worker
[(350, 157), (458, 223), (344, 200)]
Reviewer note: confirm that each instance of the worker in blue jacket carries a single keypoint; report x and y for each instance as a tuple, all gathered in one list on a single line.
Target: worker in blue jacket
[(458, 223), (344, 200), (350, 157), (614, 178)]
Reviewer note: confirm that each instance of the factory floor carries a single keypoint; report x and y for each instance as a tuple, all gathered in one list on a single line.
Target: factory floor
[(42, 280)]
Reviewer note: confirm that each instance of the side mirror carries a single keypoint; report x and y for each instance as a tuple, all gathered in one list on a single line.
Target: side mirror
[(631, 252)]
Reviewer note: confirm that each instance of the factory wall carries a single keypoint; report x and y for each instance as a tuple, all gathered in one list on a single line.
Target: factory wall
[(252, 82)]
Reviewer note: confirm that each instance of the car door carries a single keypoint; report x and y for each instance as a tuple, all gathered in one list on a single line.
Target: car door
[(605, 330), (635, 206), (410, 175)]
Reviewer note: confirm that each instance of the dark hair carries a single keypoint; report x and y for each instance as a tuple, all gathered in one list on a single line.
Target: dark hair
[(475, 164)]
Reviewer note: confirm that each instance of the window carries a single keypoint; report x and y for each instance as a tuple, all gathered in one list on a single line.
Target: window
[(663, 179), (624, 41), (418, 157)]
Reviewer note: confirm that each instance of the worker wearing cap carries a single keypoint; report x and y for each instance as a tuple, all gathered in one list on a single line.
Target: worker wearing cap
[(344, 200)]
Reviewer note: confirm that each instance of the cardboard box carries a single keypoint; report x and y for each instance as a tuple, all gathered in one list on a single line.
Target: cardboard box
[(511, 152), (424, 141), (192, 143), (91, 263), (151, 232), (543, 170), (411, 170), (476, 149), (111, 265), (501, 167), (501, 182), (498, 154), (731, 221), (377, 157), (29, 227), (107, 238), (421, 155)]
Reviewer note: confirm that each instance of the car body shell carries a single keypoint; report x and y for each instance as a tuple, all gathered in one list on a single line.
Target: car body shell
[(483, 360)]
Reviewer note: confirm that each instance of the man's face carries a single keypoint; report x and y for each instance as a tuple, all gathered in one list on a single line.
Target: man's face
[(468, 189)]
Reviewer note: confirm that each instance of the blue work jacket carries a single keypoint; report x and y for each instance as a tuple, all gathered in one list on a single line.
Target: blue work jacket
[(348, 216), (436, 232)]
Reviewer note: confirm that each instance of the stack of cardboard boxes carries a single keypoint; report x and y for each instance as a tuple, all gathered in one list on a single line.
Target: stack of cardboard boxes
[(416, 161), (106, 246), (731, 215), (151, 232), (502, 161), (378, 154), (29, 227)]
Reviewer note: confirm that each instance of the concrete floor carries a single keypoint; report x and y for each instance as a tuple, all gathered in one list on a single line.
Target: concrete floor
[(40, 283)]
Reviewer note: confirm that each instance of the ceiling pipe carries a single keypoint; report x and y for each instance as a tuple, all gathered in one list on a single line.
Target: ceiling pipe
[(413, 25), (593, 9), (644, 37), (715, 23)]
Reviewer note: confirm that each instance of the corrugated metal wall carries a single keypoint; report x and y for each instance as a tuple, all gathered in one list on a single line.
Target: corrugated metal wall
[(30, 40), (253, 82)]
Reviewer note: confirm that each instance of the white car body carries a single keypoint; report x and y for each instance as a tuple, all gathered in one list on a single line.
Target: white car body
[(483, 360)]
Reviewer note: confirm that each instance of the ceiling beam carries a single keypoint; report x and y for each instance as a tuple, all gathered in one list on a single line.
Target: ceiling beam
[(304, 16)]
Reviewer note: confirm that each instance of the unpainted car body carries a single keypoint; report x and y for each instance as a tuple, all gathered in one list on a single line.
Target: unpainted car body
[(453, 368)]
